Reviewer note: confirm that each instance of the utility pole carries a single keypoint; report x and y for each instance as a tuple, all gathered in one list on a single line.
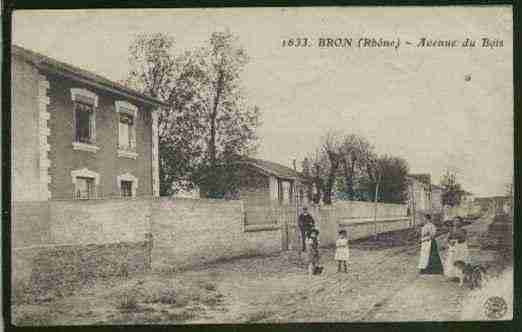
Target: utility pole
[(375, 203), (378, 178)]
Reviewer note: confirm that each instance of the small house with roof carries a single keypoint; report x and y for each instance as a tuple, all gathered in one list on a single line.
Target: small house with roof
[(265, 185)]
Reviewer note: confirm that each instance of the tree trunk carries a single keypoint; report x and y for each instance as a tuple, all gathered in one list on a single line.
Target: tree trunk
[(349, 171), (213, 185), (213, 117), (327, 195)]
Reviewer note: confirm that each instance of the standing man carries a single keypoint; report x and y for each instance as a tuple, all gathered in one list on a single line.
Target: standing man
[(306, 224)]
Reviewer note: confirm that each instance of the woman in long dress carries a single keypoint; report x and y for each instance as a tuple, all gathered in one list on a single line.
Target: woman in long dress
[(429, 262)]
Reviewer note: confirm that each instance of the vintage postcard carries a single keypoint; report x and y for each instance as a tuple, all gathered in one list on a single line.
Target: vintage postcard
[(261, 165)]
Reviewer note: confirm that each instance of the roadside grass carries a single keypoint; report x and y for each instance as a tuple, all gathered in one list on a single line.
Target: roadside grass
[(258, 316), (144, 299)]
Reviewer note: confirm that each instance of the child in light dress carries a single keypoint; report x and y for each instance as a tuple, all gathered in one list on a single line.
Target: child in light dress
[(342, 252)]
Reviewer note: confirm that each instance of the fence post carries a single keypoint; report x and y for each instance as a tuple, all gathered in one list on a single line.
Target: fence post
[(148, 250)]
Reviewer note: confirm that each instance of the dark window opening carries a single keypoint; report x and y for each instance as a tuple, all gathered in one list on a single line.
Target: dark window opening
[(84, 123), (84, 188), (126, 188)]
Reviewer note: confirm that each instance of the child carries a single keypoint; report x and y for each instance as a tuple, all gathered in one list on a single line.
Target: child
[(312, 245), (342, 252)]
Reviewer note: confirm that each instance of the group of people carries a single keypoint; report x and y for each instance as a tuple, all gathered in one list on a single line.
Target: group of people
[(430, 261), (310, 242)]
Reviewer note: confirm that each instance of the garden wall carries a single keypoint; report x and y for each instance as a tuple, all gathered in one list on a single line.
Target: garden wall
[(190, 232), (75, 241), (360, 219)]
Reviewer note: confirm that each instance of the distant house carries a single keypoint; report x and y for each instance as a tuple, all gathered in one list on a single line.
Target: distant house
[(495, 204), (267, 182), (466, 197), (419, 192), (264, 184), (436, 198), (77, 135)]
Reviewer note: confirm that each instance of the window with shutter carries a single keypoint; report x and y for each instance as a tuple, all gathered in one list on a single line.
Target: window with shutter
[(84, 188), (84, 118)]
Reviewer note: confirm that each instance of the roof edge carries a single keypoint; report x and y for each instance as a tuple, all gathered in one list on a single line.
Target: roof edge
[(268, 171), (46, 63)]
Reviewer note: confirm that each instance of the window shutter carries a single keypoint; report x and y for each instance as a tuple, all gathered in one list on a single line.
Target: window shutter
[(75, 126), (132, 133), (93, 126), (121, 136)]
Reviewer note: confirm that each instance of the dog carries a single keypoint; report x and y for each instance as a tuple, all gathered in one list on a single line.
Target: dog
[(318, 270), (470, 275)]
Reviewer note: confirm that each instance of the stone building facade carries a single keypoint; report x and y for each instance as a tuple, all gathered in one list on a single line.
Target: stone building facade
[(419, 192), (77, 135), (436, 198)]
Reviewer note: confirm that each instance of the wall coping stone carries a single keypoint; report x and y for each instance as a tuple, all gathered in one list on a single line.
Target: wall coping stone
[(262, 227)]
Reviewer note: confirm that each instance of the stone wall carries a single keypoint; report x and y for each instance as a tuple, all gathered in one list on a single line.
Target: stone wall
[(109, 237), (75, 241), (100, 221), (360, 219), (462, 211), (190, 232)]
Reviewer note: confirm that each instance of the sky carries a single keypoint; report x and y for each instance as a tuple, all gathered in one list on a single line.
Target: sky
[(436, 107)]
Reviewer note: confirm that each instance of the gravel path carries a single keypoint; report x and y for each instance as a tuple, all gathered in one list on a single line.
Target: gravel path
[(382, 285)]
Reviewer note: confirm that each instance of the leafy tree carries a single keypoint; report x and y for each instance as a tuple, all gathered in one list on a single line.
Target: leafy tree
[(209, 124), (318, 165), (307, 173), (355, 154), (451, 190), (387, 179), (332, 149)]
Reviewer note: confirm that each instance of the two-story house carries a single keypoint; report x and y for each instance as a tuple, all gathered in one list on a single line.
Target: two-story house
[(419, 192), (436, 198), (77, 135)]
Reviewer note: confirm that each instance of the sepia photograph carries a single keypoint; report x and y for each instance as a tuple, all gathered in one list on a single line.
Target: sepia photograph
[(184, 166)]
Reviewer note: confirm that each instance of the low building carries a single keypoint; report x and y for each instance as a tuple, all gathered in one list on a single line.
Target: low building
[(495, 204), (264, 185), (77, 135)]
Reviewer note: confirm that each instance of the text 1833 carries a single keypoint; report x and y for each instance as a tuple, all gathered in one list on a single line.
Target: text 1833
[(296, 42)]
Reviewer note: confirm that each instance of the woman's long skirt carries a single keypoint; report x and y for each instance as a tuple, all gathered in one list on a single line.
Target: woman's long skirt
[(434, 263)]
